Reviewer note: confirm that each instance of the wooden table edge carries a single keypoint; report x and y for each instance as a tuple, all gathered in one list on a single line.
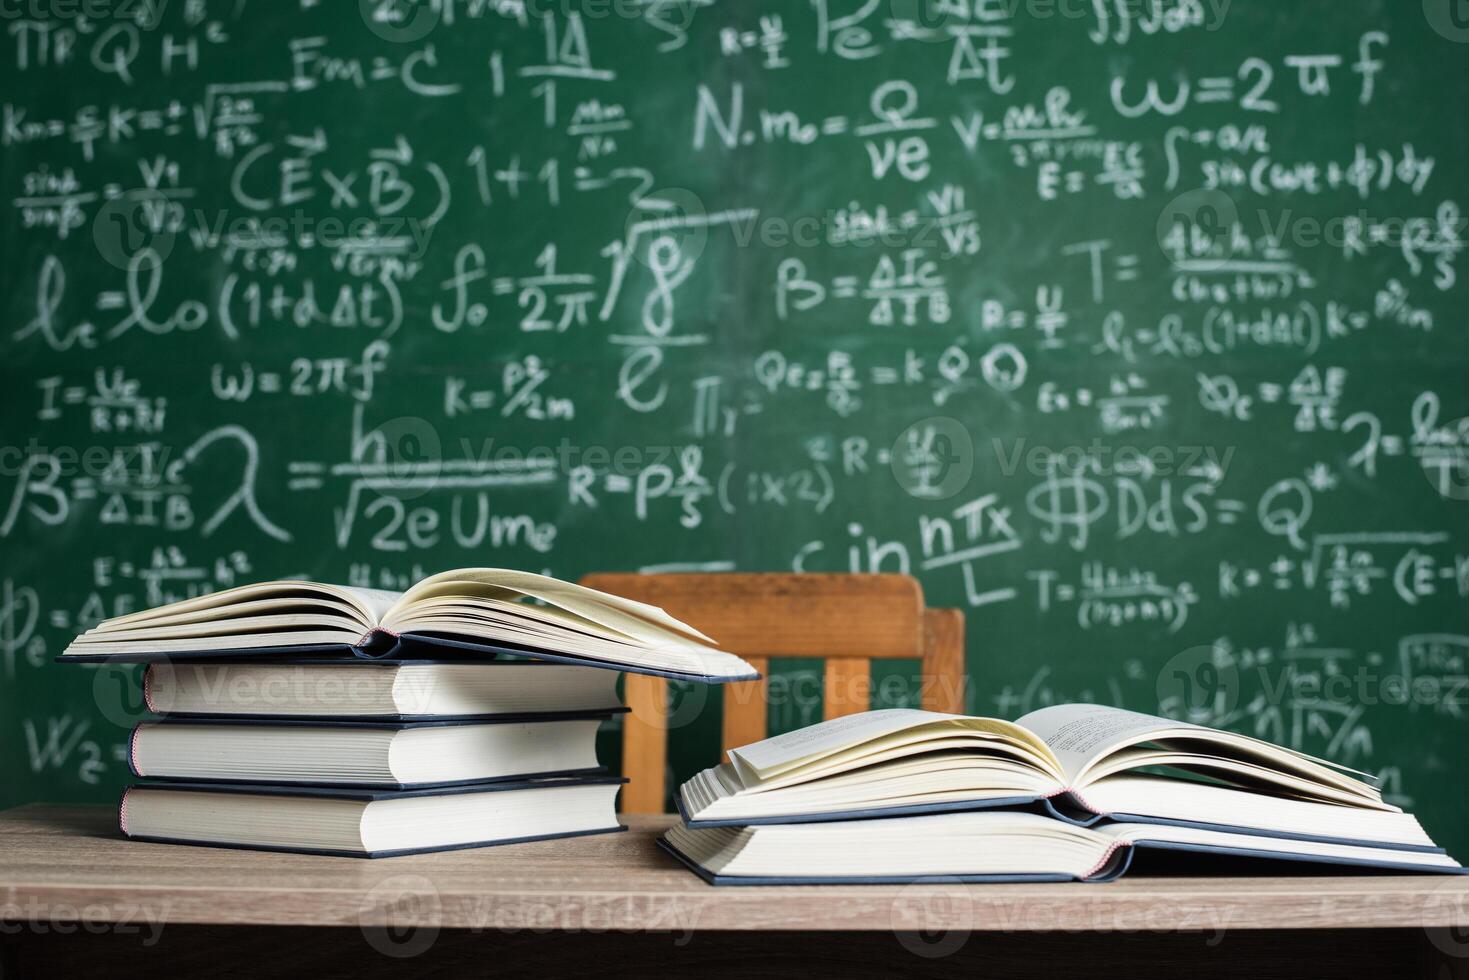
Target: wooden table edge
[(52, 867)]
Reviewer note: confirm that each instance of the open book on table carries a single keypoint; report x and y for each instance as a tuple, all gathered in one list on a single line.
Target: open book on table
[(1005, 846), (1080, 762), (476, 610)]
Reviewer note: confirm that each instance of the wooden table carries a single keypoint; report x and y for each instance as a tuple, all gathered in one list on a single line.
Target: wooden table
[(74, 893)]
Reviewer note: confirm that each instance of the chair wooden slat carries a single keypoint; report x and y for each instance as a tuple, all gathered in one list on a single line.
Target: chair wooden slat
[(942, 672), (848, 686), (645, 744), (745, 709)]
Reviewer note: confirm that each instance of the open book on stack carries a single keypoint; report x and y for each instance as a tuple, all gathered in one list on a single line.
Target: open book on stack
[(479, 611), (1070, 791), (320, 718)]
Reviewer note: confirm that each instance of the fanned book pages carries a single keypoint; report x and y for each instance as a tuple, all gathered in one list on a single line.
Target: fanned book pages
[(364, 823), (1001, 846), (359, 753), (474, 610), (1081, 762)]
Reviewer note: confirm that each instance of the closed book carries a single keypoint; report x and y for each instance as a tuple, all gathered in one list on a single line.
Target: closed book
[(363, 753), (369, 823), (377, 689)]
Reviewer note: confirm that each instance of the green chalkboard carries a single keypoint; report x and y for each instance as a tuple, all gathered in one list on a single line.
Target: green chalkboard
[(1132, 329)]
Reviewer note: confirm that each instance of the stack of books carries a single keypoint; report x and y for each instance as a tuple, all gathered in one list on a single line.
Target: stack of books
[(1075, 792), (306, 717)]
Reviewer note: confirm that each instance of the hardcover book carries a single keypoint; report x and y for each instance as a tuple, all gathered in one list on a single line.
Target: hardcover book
[(364, 753), (998, 846), (396, 690), (367, 823), (1078, 762), (475, 611)]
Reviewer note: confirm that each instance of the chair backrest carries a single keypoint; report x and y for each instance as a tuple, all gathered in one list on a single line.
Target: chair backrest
[(847, 620)]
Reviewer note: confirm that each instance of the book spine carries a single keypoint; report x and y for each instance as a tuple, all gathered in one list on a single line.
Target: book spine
[(148, 690), (133, 752), (378, 643), (122, 811), (1056, 805), (1075, 796), (1106, 859)]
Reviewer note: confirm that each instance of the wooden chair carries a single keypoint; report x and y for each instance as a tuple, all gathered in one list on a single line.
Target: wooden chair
[(847, 620)]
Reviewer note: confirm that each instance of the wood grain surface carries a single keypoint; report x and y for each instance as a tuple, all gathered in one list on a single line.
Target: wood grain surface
[(59, 861)]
